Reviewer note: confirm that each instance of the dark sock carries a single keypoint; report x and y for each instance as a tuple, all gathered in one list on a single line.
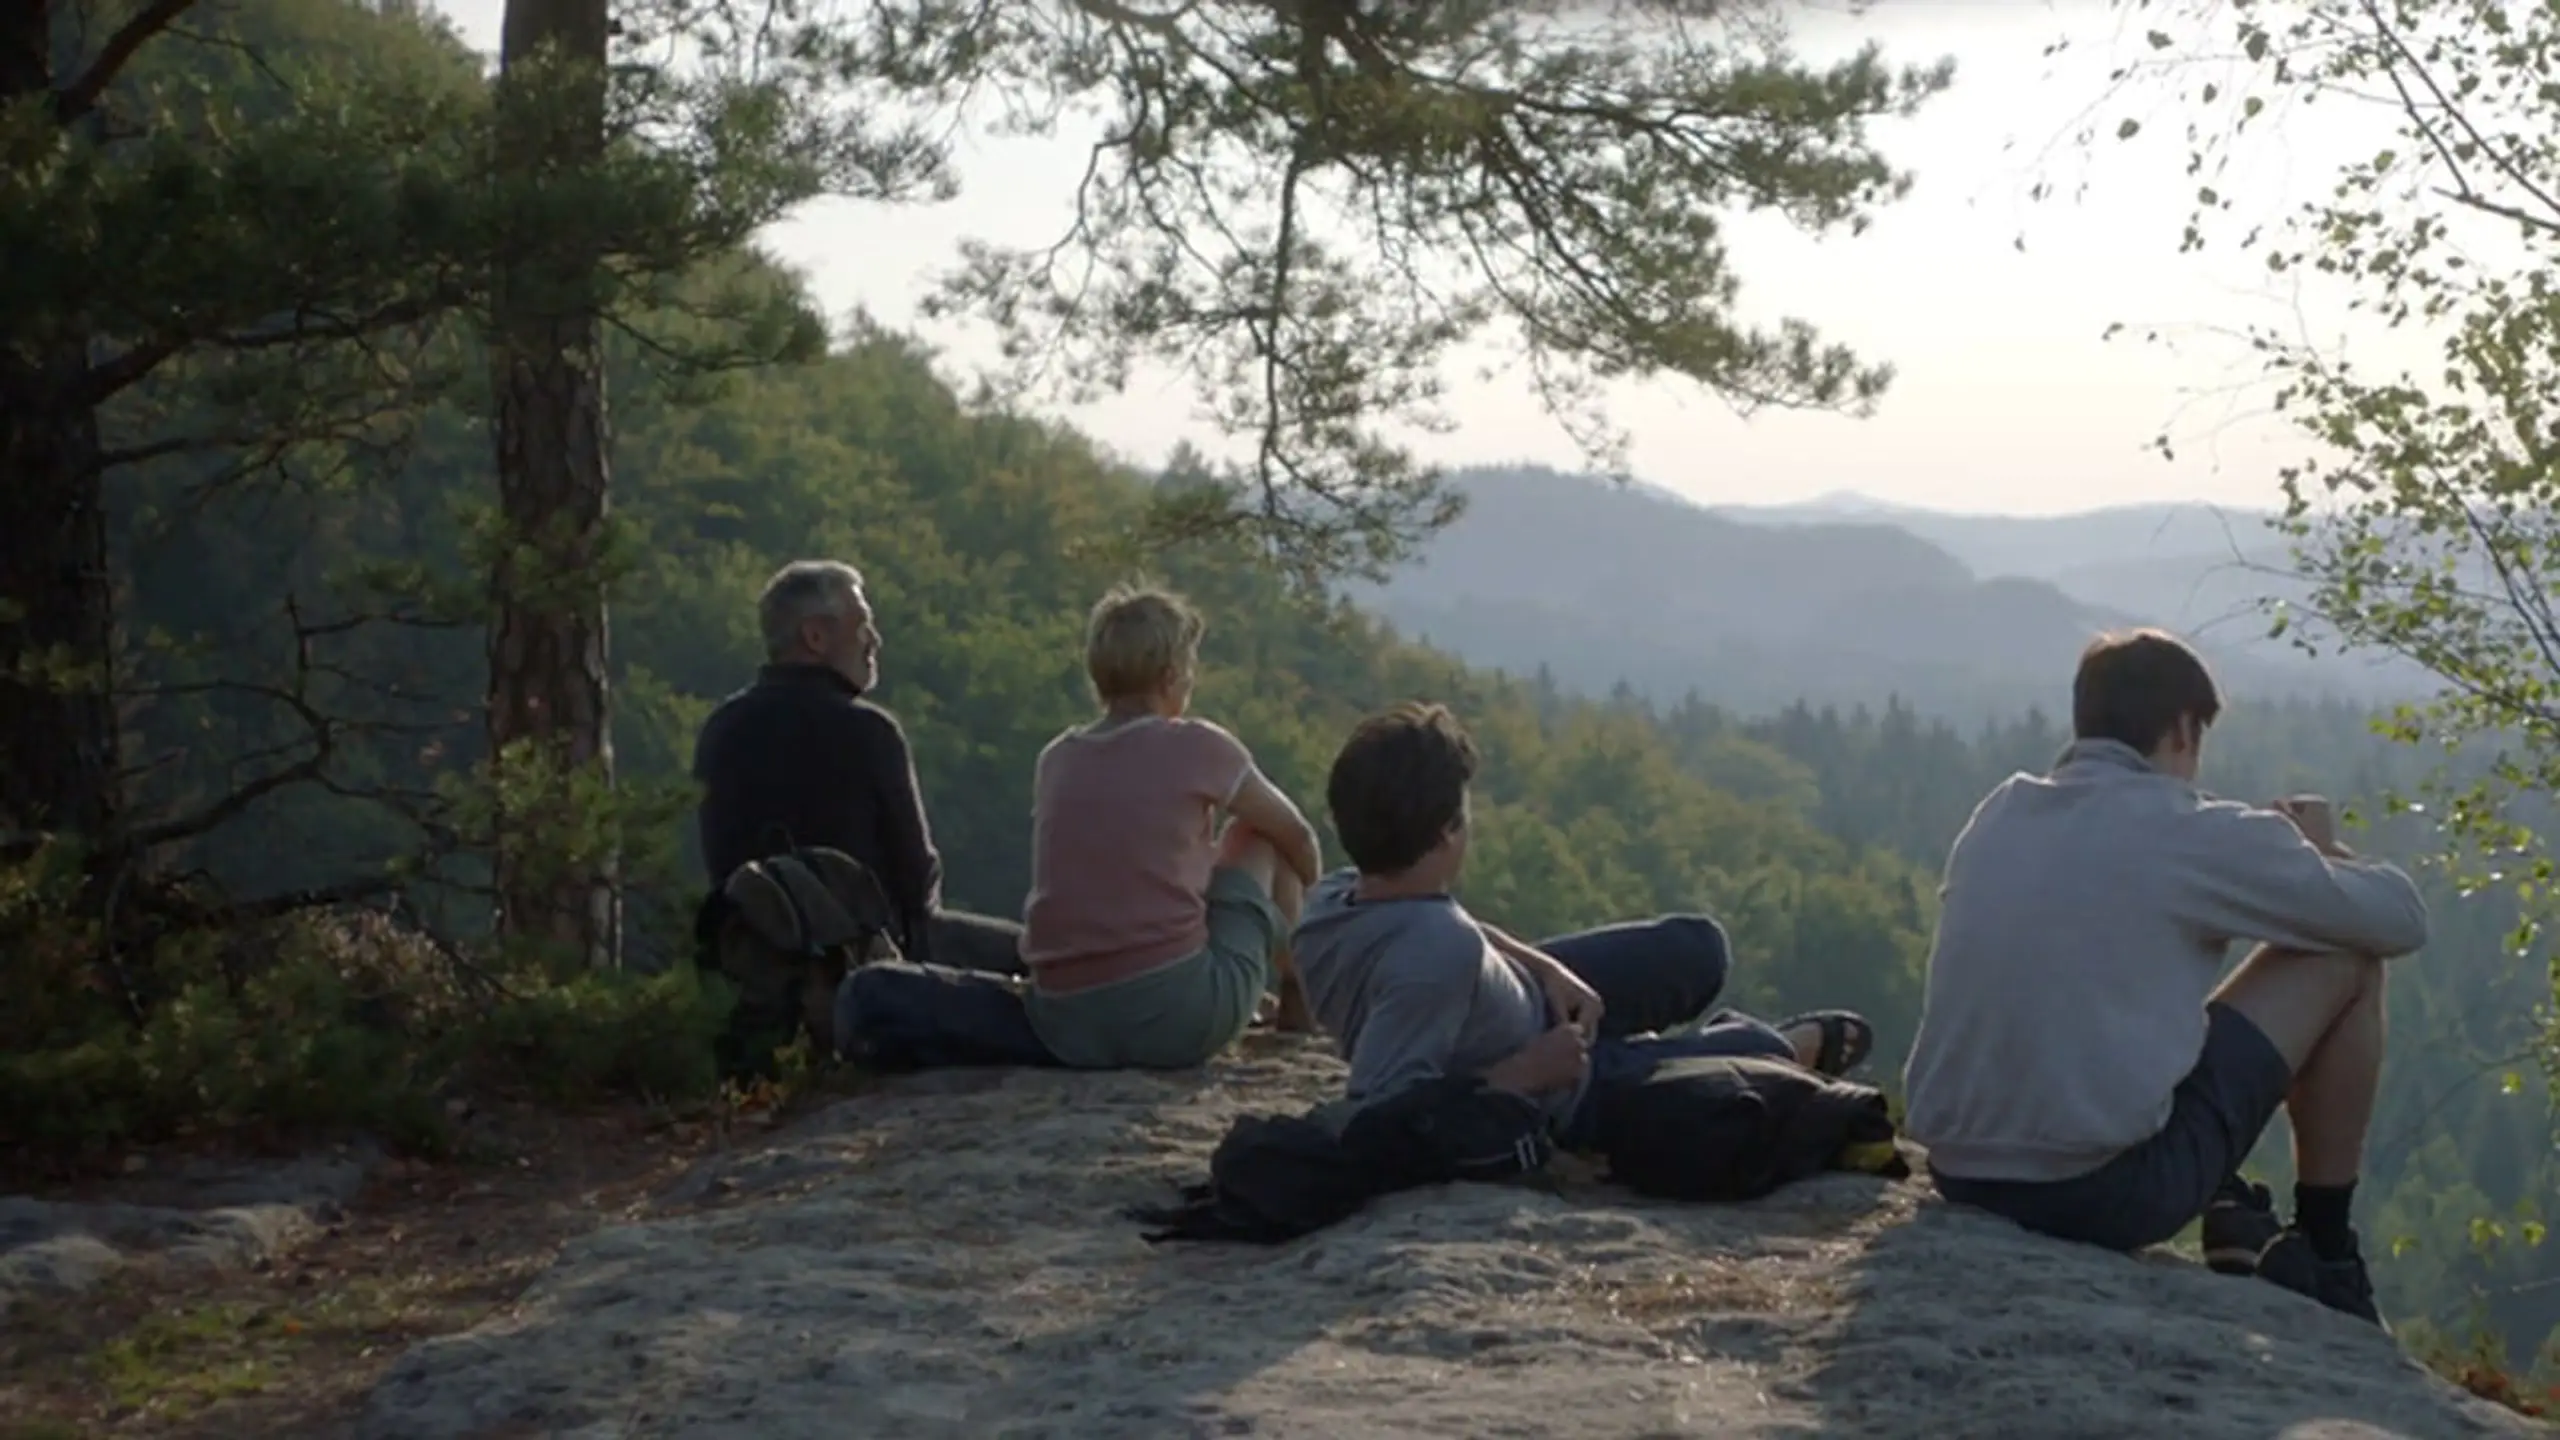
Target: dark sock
[(2322, 1213), (2233, 1187)]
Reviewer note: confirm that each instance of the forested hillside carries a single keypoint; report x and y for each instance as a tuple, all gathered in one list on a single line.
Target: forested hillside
[(305, 561), (984, 537), (1814, 833), (302, 662)]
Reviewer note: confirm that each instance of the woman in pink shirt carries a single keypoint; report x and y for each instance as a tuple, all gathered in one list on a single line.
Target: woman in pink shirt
[(1166, 869)]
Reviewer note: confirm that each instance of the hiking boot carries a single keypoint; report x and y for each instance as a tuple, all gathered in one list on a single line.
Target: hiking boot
[(2343, 1285), (2347, 1287), (2239, 1224)]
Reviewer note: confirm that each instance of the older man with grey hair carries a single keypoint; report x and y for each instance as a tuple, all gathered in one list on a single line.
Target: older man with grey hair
[(801, 758)]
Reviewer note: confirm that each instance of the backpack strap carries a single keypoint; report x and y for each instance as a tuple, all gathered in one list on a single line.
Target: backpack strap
[(759, 897), (858, 908), (823, 920)]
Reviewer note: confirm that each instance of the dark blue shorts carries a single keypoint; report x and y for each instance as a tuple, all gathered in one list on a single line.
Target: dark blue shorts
[(2156, 1189)]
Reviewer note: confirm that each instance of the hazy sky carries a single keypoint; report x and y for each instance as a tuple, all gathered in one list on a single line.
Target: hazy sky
[(2009, 397)]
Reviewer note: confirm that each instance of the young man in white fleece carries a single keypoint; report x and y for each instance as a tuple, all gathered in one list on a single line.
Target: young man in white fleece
[(2080, 1071)]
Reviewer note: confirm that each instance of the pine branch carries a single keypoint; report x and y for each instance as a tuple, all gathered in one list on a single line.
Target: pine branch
[(81, 96)]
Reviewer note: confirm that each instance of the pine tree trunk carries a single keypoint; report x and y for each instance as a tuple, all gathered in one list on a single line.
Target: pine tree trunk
[(58, 758), (549, 693)]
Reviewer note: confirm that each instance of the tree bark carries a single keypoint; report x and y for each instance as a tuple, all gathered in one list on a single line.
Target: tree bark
[(58, 757), (550, 698), (58, 753)]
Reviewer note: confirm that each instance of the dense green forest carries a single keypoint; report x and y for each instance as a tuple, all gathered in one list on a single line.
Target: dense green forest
[(305, 661)]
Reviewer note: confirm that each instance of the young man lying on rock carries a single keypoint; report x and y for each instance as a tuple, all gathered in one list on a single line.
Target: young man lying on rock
[(2079, 1071), (1412, 987)]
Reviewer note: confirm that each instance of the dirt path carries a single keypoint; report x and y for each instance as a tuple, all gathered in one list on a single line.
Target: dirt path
[(164, 1351)]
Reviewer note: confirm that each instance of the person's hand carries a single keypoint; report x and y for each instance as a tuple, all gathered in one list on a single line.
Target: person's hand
[(2315, 818), (1571, 1001), (1556, 1060)]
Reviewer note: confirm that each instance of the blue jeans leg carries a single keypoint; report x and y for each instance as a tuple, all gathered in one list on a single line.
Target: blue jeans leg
[(902, 1016), (1650, 974), (965, 940)]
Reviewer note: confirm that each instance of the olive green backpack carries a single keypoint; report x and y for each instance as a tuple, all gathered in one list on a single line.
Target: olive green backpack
[(783, 931)]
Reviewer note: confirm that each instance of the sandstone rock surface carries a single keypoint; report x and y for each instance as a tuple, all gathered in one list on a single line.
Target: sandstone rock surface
[(944, 1257), (228, 1217)]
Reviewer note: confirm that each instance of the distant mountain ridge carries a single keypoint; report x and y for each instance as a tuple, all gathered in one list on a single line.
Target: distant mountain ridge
[(2053, 546), (1843, 599)]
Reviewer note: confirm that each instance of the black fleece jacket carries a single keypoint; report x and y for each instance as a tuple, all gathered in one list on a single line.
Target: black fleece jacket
[(800, 758)]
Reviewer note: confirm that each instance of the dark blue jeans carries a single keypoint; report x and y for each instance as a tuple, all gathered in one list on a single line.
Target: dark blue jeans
[(898, 1015), (966, 940), (1651, 976)]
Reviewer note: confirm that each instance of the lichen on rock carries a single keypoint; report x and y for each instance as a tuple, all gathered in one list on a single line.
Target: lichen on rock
[(945, 1256)]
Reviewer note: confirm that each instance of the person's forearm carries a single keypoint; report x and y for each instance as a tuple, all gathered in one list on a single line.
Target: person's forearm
[(1305, 854), (2389, 912), (2370, 907), (906, 885), (929, 894), (917, 865), (914, 880), (1538, 961)]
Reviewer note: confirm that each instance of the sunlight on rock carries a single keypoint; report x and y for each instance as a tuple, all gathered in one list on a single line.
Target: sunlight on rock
[(957, 1265)]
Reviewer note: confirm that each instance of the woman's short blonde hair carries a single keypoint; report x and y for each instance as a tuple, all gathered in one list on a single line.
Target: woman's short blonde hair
[(1138, 640)]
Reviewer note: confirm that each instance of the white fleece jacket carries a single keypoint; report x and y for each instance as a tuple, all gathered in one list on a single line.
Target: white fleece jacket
[(2086, 917)]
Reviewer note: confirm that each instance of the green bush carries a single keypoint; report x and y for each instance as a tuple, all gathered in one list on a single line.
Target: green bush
[(327, 1024), (601, 1035)]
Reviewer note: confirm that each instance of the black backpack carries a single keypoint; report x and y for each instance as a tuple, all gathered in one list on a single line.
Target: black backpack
[(783, 931), (1274, 1178), (1736, 1128)]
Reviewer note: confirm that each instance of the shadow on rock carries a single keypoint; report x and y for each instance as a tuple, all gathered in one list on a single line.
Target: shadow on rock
[(1958, 1324)]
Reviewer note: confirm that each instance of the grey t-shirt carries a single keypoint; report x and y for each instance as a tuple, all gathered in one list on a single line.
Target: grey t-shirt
[(1411, 989)]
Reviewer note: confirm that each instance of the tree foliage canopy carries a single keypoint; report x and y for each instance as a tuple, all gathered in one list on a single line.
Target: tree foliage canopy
[(1306, 208), (2427, 517)]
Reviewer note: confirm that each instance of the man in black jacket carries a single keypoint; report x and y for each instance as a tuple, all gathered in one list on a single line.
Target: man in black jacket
[(800, 758)]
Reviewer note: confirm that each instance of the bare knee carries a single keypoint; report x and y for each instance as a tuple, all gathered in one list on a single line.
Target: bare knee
[(1705, 950), (2296, 997)]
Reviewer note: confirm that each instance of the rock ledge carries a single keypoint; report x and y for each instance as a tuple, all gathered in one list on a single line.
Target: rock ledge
[(944, 1257)]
